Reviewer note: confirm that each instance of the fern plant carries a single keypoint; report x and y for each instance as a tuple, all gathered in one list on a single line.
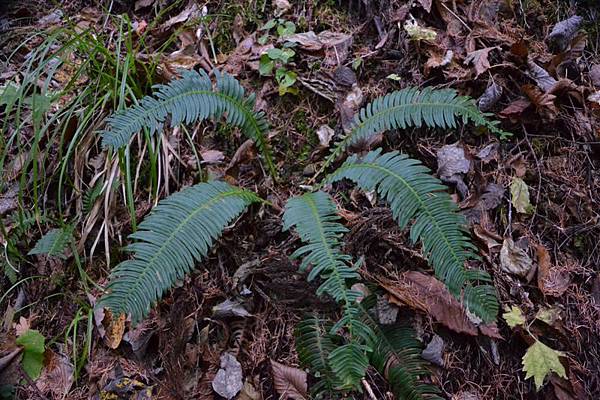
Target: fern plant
[(414, 194), (179, 231), (193, 98), (182, 228)]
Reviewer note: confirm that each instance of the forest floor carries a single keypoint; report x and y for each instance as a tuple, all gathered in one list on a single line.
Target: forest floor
[(532, 200)]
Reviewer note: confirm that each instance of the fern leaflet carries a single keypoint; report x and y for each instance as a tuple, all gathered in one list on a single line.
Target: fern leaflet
[(434, 108), (413, 193), (53, 243), (178, 232), (192, 99)]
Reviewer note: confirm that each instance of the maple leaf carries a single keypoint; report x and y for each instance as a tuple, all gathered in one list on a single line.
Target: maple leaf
[(539, 361), (514, 317)]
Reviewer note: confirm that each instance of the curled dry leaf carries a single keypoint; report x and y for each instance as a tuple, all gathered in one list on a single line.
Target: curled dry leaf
[(290, 382), (429, 295), (541, 76), (57, 377), (514, 259), (114, 327), (563, 32), (551, 281)]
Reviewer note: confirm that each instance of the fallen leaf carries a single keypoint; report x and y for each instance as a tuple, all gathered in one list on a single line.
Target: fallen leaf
[(289, 382), (32, 342), (520, 196), (595, 75), (514, 317), (514, 259), (539, 361), (515, 109), (543, 102), (416, 32), (490, 97), (191, 11), (452, 161), (562, 33), (228, 380), (230, 308), (548, 315), (551, 281), (308, 41), (139, 4), (479, 59), (114, 328), (429, 295), (426, 4), (541, 76), (325, 134), (57, 377), (434, 351), (492, 197), (211, 156)]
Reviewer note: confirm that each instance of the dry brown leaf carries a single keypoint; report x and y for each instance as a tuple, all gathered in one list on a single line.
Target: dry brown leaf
[(543, 102), (429, 295), (290, 382), (57, 376), (541, 76), (490, 97), (551, 281), (479, 59), (515, 109)]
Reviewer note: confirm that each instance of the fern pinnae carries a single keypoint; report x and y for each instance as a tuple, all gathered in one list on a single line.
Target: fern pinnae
[(413, 193), (54, 242), (193, 98), (178, 232), (412, 107)]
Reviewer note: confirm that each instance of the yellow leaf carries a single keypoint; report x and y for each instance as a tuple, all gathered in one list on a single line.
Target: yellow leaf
[(539, 361), (514, 317), (520, 196)]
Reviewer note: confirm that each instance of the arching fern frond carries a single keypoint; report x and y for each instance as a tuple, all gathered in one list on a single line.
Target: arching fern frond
[(314, 216), (177, 233), (434, 108), (193, 98), (413, 193)]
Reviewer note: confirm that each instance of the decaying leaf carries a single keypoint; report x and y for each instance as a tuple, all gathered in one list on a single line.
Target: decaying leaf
[(514, 259), (490, 97), (325, 134), (551, 281), (434, 351), (228, 380), (57, 377), (539, 361), (519, 192), (541, 76), (290, 383), (426, 4), (514, 317), (115, 327), (417, 32), (548, 315), (563, 32), (543, 102), (479, 59), (429, 295)]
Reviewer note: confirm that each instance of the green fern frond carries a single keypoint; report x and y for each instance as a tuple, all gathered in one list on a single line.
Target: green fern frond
[(314, 216), (413, 193), (178, 232), (482, 301), (53, 243), (434, 108), (193, 98), (397, 356)]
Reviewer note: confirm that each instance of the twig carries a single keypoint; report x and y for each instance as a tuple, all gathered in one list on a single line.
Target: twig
[(368, 389)]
